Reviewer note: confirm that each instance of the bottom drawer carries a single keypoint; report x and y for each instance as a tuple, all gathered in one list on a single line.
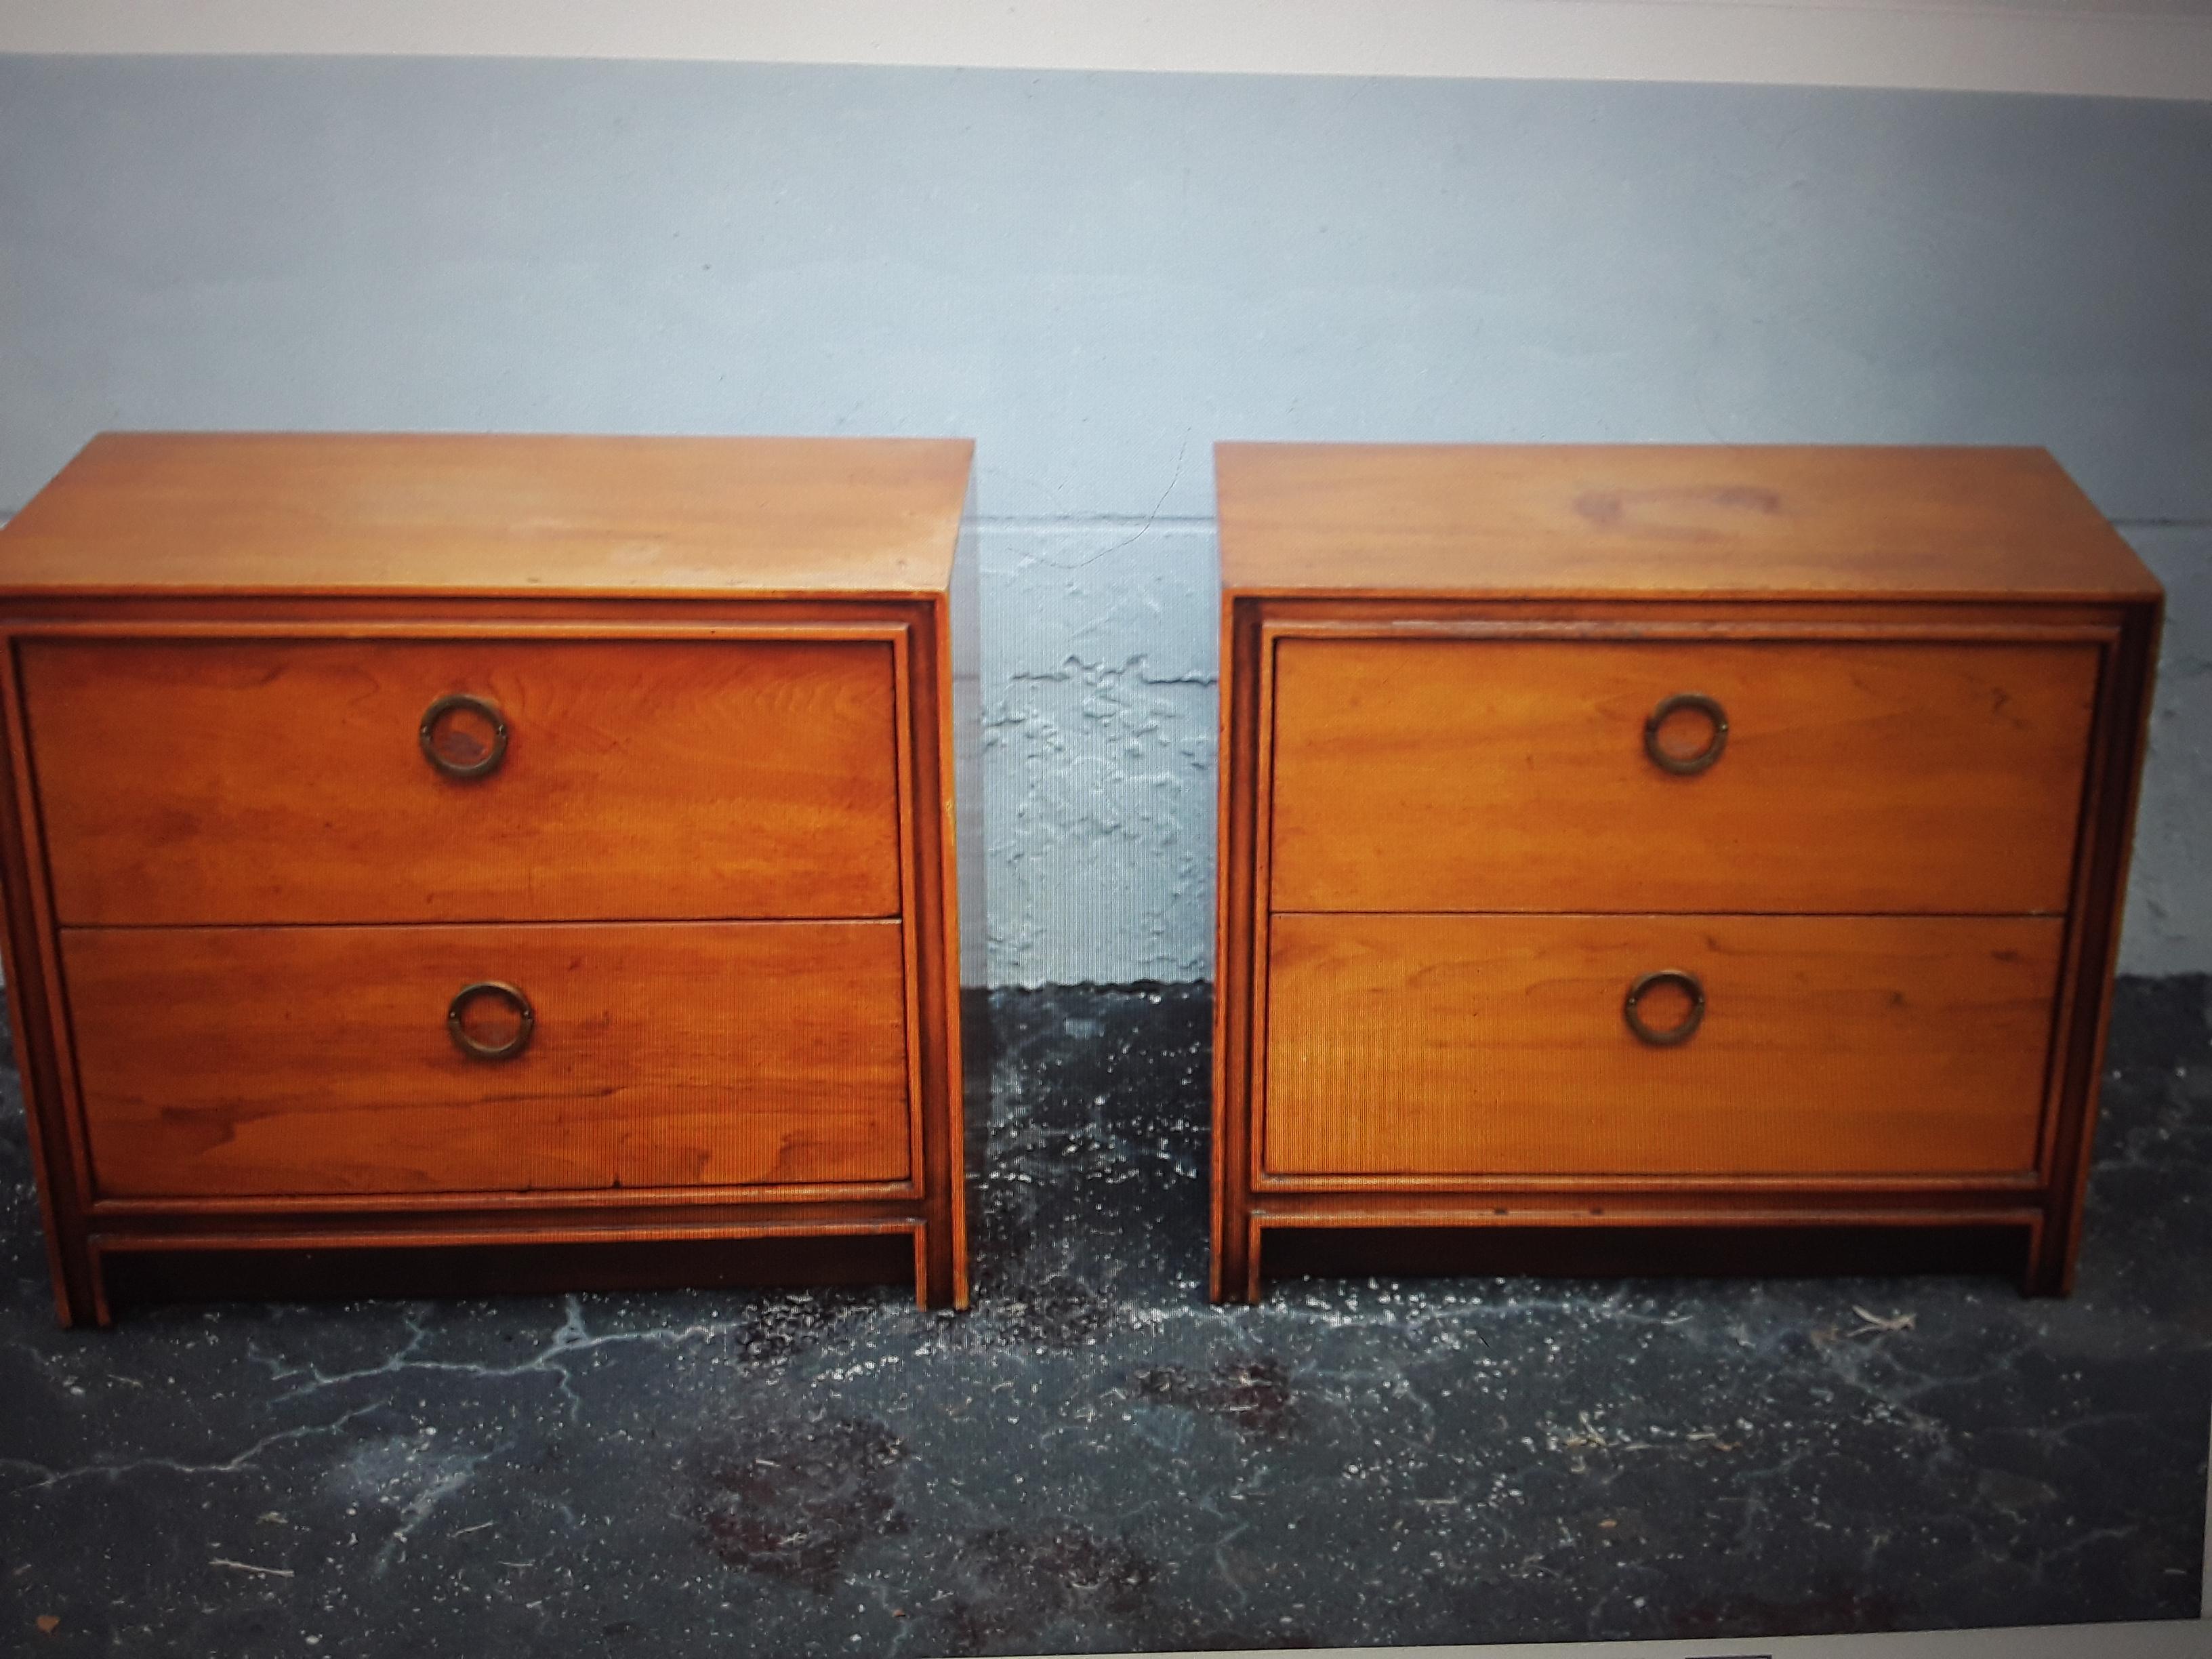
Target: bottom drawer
[(1449, 1045), (251, 1062)]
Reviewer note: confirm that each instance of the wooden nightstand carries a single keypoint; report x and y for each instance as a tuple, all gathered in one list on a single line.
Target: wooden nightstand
[(459, 841), (1667, 837)]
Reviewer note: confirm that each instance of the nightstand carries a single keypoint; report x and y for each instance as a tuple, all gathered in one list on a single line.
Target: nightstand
[(1667, 837), (434, 842)]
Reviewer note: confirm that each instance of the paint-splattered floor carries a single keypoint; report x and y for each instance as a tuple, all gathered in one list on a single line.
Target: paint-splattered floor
[(1095, 1458)]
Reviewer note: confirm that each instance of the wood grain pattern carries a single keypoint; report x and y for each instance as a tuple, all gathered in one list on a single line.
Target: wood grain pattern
[(268, 780), (1556, 521), (333, 512), (1440, 1045), (245, 1061), (1498, 774)]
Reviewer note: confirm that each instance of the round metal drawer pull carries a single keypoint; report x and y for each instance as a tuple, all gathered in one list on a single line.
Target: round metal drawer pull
[(1673, 1035), (460, 703), (525, 1020), (1684, 765)]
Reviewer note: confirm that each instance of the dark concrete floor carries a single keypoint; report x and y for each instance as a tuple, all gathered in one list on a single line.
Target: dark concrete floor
[(1096, 1459)]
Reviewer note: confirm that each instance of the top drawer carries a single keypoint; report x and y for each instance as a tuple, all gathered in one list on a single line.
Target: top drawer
[(289, 781), (1480, 775)]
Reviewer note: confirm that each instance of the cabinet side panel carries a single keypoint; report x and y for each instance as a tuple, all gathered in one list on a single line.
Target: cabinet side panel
[(33, 990), (935, 958), (2108, 839), (1232, 951)]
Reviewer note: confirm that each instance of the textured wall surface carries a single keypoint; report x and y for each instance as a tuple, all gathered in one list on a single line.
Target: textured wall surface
[(1097, 276), (2169, 920), (1099, 666)]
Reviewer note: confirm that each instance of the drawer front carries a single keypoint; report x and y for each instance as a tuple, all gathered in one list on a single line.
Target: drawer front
[(239, 1062), (1498, 1045), (1514, 775), (288, 781)]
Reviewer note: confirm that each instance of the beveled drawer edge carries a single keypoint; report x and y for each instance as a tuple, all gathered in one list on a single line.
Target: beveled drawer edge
[(500, 1199), (1538, 1208), (1779, 631), (741, 1226), (1990, 1181), (903, 737), (730, 919), (1649, 910), (798, 632), (1718, 610), (1259, 940)]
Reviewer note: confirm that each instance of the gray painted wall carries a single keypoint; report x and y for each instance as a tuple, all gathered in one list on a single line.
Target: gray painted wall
[(1098, 276)]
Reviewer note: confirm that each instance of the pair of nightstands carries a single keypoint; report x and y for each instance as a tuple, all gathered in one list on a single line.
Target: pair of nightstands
[(434, 842)]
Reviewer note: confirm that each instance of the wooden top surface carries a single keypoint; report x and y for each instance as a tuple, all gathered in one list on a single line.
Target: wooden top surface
[(1644, 521), (290, 513)]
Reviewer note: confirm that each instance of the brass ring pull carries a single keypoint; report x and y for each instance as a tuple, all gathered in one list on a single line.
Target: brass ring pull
[(1684, 765), (494, 752), (525, 1020), (1674, 1035)]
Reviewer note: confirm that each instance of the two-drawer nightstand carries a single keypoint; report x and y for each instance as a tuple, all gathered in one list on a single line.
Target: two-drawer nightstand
[(1667, 837), (484, 840)]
